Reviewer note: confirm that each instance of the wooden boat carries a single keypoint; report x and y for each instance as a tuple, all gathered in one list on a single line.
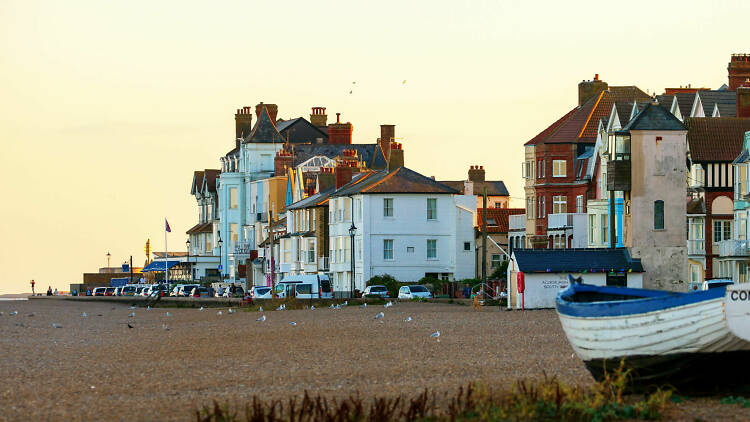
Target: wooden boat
[(672, 339)]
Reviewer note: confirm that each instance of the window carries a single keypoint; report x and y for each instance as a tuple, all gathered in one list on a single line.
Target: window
[(410, 249), (722, 230), (540, 169), (559, 204), (388, 249), (347, 209), (579, 204), (347, 249), (541, 208), (431, 209), (496, 260), (530, 208), (559, 168), (233, 234), (359, 249), (605, 228), (592, 221), (467, 246), (233, 198), (311, 251), (340, 249), (387, 207), (659, 215), (559, 242), (431, 249), (695, 274)]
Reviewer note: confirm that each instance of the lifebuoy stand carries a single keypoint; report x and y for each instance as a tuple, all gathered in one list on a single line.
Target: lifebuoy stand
[(521, 286)]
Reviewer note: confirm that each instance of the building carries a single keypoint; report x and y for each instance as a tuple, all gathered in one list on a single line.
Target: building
[(498, 237), (734, 254), (204, 264), (545, 273), (475, 184)]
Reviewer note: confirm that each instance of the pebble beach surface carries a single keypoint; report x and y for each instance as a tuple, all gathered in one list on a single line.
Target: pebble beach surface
[(58, 365)]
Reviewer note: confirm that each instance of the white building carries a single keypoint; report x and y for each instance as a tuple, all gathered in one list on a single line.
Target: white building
[(204, 264)]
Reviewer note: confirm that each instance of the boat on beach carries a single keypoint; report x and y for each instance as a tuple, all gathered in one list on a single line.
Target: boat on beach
[(680, 340)]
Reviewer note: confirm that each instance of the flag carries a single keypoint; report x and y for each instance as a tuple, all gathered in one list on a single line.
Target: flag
[(166, 226)]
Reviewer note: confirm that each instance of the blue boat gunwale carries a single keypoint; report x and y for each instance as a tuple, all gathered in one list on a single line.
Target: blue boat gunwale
[(648, 300)]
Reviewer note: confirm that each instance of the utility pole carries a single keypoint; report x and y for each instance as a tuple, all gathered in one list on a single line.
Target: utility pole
[(484, 236), (612, 228), (131, 269), (270, 242)]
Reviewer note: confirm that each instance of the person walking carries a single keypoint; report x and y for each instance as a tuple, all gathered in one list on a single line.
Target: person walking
[(49, 291)]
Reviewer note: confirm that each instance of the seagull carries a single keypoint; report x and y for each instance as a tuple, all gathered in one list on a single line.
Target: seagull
[(261, 319), (388, 305), (231, 311), (338, 306), (436, 335), (132, 307), (200, 308), (293, 324), (260, 309), (364, 305), (56, 325), (168, 314), (164, 327), (332, 307), (403, 82), (13, 313), (132, 314), (218, 313), (148, 308), (130, 326), (84, 315), (379, 315), (408, 319), (346, 302), (351, 91), (312, 307)]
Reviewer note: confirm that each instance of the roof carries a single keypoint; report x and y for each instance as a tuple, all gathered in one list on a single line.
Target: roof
[(499, 216), (582, 123), (494, 187), (576, 260), (725, 100), (316, 200), (300, 130), (654, 116), (264, 130), (209, 179), (197, 182), (696, 206), (742, 158), (370, 154), (201, 228), (685, 102), (400, 180), (716, 138)]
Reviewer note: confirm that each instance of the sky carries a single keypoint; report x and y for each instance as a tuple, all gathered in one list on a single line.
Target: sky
[(107, 108)]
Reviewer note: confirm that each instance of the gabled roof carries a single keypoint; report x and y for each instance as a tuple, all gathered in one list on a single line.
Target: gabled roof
[(300, 130), (696, 206), (400, 180), (576, 260), (494, 187), (684, 103), (716, 138), (209, 179), (551, 128), (316, 200), (264, 130), (197, 182), (725, 100), (497, 215), (654, 117)]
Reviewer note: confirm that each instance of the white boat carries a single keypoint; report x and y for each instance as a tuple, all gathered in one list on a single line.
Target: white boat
[(664, 338)]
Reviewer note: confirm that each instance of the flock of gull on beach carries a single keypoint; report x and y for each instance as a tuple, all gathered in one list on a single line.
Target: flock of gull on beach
[(378, 317)]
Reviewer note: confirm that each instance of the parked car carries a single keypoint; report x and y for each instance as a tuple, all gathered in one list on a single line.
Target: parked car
[(99, 291), (305, 287), (128, 290), (233, 291), (414, 291), (199, 291), (260, 292), (376, 290), (109, 291), (158, 289), (183, 289)]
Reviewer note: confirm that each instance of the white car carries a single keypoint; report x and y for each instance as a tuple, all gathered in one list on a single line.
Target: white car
[(415, 291), (381, 291), (260, 292)]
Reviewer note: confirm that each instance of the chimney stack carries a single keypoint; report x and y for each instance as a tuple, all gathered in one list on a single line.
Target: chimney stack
[(738, 70), (387, 135), (343, 174), (395, 156), (318, 117), (273, 110), (476, 174), (243, 122), (281, 162), (588, 89), (340, 133), (326, 179), (743, 100)]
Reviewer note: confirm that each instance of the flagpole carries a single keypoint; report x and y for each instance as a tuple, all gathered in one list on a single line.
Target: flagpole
[(166, 255)]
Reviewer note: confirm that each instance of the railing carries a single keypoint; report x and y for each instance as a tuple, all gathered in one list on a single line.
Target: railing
[(563, 220), (733, 248), (243, 248), (517, 222), (323, 263), (696, 247)]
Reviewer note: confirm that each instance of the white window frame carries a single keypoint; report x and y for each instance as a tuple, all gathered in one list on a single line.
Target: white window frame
[(579, 204), (559, 204), (233, 199), (559, 168), (388, 250), (432, 246), (432, 216), (388, 210)]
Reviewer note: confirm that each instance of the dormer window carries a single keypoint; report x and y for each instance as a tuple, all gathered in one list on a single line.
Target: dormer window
[(619, 147)]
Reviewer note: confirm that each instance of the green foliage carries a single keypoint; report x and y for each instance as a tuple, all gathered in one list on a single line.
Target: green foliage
[(500, 271), (736, 400)]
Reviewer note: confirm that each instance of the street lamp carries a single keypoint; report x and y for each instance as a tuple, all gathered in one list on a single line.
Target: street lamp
[(190, 269), (221, 270), (352, 232), (109, 270)]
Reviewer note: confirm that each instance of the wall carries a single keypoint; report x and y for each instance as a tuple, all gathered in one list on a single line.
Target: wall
[(659, 173), (530, 156)]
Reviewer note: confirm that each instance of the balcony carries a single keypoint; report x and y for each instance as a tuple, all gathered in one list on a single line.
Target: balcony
[(323, 263), (243, 248), (618, 175), (733, 248), (517, 222), (564, 220), (696, 247)]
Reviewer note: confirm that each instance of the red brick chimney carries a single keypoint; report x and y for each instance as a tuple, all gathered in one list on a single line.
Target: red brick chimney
[(273, 110), (587, 89), (318, 117), (476, 174), (396, 156), (387, 135), (738, 70), (340, 133), (326, 179), (243, 122), (743, 100), (281, 162), (343, 174)]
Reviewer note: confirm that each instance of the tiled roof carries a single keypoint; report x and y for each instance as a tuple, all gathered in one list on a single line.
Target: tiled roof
[(551, 128), (499, 216), (210, 176), (726, 100), (316, 200), (576, 260), (264, 130), (370, 154), (299, 130), (716, 138), (604, 107), (654, 117), (665, 100), (494, 187), (201, 228), (685, 103), (400, 180), (197, 182), (696, 206), (569, 130)]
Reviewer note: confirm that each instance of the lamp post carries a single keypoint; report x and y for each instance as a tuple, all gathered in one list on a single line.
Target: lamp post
[(109, 270), (221, 269), (352, 232), (190, 269)]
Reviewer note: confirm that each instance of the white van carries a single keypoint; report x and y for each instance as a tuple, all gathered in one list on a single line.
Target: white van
[(314, 286)]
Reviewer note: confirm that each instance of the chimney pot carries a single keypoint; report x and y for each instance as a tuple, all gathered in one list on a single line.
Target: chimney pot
[(338, 117), (596, 76)]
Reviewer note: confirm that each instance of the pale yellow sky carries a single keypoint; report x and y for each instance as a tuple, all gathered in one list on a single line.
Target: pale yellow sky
[(106, 108)]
